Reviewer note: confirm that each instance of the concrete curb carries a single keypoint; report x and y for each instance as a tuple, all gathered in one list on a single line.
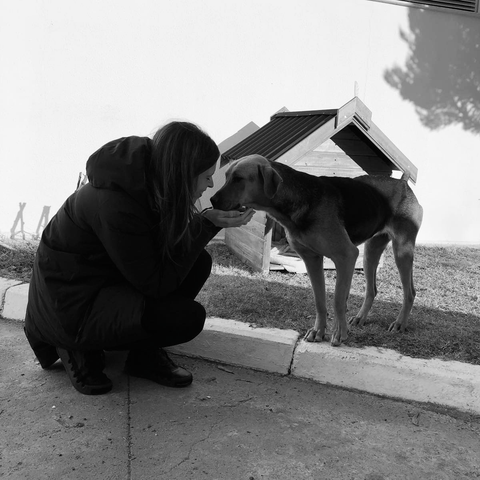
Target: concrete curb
[(387, 373), (5, 284), (236, 343), (15, 303), (379, 371)]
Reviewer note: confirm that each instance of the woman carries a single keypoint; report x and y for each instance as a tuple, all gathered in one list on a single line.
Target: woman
[(120, 264)]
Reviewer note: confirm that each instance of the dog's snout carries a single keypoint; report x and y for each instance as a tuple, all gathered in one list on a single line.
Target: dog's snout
[(222, 201)]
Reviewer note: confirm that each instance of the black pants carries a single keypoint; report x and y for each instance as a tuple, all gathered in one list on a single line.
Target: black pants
[(172, 320), (178, 318)]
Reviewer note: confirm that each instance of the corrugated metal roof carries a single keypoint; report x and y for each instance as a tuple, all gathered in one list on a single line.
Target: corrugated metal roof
[(283, 132)]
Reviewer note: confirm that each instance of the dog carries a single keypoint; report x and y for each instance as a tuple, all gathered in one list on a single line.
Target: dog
[(330, 216)]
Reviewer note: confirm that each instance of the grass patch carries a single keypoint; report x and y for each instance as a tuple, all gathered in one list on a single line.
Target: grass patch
[(445, 320), (16, 259)]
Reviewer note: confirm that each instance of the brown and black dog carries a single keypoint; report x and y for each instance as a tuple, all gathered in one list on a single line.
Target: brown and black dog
[(330, 216)]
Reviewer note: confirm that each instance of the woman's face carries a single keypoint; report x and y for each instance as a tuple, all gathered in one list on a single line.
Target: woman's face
[(204, 181)]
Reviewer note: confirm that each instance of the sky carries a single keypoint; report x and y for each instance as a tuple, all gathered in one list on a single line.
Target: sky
[(76, 75)]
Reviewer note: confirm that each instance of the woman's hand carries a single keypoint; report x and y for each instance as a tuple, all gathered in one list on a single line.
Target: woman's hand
[(228, 219)]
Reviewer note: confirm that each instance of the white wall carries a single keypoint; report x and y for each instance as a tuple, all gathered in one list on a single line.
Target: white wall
[(78, 74)]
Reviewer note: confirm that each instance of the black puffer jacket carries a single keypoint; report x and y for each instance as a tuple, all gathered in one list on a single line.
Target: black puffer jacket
[(97, 259)]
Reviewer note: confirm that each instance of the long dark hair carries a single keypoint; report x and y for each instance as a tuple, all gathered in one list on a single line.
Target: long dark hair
[(181, 151)]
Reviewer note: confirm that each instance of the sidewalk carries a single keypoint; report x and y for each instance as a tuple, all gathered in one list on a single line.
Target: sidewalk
[(374, 370), (232, 423)]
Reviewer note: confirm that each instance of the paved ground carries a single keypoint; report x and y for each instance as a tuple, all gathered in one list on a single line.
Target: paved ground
[(231, 424), (378, 371)]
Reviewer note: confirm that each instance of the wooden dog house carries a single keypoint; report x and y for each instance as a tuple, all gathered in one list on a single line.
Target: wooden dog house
[(340, 142)]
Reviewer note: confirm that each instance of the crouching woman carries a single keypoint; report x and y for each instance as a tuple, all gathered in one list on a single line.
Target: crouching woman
[(120, 264)]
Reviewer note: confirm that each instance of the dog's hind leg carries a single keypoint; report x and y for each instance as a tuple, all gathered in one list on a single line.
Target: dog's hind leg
[(372, 252), (403, 250)]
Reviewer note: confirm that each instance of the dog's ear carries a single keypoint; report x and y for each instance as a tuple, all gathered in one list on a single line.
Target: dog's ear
[(271, 180)]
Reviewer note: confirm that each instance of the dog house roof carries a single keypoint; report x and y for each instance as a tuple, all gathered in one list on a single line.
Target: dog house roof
[(287, 130)]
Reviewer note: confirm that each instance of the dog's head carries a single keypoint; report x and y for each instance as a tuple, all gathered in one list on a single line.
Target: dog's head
[(250, 182)]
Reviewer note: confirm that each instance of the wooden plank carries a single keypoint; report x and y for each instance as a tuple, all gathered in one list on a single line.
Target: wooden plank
[(252, 245), (335, 160), (328, 146), (244, 237), (255, 254), (371, 164), (260, 217), (354, 109), (258, 224), (396, 156), (267, 246), (351, 172), (255, 228), (315, 157), (325, 159), (253, 259)]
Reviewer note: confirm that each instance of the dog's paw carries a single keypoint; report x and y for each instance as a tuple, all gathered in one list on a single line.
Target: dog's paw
[(314, 335), (397, 328), (356, 321), (338, 337), (337, 341)]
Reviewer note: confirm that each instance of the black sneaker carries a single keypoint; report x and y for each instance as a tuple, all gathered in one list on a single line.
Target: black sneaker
[(156, 365), (85, 370)]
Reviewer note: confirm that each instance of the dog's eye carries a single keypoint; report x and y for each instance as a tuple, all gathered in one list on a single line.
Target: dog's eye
[(236, 179)]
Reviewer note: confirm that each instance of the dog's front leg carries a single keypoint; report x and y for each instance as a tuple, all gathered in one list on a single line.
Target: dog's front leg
[(345, 266), (314, 264)]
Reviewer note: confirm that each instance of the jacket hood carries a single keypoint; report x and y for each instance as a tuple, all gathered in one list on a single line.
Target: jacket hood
[(121, 165)]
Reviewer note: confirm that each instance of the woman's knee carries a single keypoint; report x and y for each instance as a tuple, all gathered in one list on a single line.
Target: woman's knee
[(178, 318), (198, 319)]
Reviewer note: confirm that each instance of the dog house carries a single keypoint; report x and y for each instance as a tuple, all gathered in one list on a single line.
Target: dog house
[(340, 142)]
